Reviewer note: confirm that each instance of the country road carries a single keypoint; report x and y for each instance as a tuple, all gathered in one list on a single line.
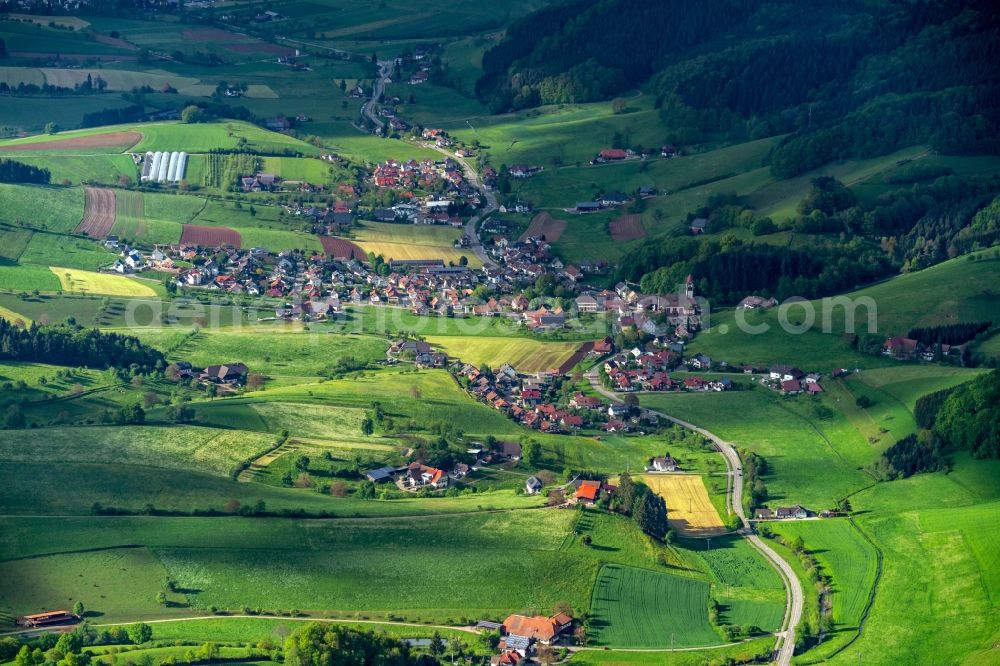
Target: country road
[(472, 176), (368, 109), (793, 588)]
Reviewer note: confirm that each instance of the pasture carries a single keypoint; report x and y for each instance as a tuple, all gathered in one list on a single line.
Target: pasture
[(524, 354), (75, 281), (689, 509), (638, 608)]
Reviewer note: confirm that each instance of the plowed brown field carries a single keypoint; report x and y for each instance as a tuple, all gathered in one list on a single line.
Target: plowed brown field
[(99, 213)]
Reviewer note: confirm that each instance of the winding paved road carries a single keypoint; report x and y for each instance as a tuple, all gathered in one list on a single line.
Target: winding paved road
[(793, 588), (472, 176), (369, 108)]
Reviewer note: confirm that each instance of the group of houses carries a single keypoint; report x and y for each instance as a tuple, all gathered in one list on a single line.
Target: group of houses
[(669, 316), (606, 200), (620, 154), (789, 380), (532, 401), (521, 634), (907, 349), (416, 475), (229, 374)]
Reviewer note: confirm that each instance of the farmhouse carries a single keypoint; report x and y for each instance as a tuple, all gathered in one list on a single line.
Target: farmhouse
[(698, 226), (233, 373), (532, 485), (419, 476), (781, 513), (537, 628), (588, 492), (663, 464)]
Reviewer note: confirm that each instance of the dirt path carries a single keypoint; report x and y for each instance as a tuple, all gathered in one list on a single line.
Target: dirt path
[(98, 213), (470, 630)]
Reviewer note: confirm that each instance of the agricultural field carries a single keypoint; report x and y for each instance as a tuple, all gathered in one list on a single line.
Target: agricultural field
[(77, 281), (524, 354), (638, 608), (851, 561), (409, 241), (689, 509), (41, 207), (182, 447)]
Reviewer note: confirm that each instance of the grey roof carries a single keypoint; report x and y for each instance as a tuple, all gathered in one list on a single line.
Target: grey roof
[(380, 474)]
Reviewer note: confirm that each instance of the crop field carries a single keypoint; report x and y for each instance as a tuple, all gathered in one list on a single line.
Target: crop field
[(847, 557), (410, 241), (14, 317), (638, 608), (68, 142), (312, 171), (544, 225), (202, 138), (27, 277), (42, 207), (689, 509), (524, 354), (87, 282), (340, 248), (98, 213), (77, 169), (13, 242), (626, 228), (210, 236), (181, 447), (274, 352), (943, 530)]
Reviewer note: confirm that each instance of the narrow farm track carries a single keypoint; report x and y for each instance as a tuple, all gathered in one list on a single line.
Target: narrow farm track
[(470, 630), (785, 647)]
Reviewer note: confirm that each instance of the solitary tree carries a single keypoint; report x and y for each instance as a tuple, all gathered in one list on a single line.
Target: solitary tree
[(367, 426), (51, 128), (78, 609)]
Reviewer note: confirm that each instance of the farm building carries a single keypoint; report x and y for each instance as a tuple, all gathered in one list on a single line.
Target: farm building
[(161, 167), (48, 619), (537, 627)]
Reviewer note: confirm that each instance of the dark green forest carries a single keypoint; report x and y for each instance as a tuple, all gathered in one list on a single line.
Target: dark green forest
[(841, 79)]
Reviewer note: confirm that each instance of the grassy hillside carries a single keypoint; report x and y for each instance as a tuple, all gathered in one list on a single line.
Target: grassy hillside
[(959, 290)]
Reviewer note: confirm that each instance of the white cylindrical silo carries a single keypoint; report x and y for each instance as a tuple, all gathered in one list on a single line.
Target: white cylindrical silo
[(161, 175), (172, 168), (181, 164)]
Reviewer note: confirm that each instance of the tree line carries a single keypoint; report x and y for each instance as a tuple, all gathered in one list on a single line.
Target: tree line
[(963, 418), (639, 502), (948, 334), (12, 171), (73, 347)]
